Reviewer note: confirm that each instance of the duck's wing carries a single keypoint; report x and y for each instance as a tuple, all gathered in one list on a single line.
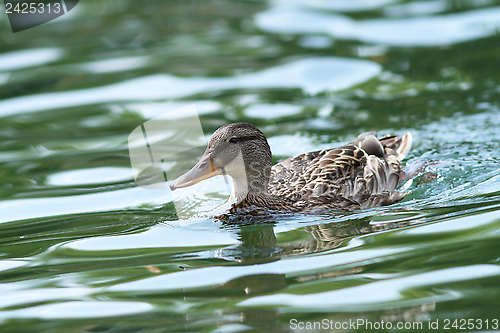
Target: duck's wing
[(289, 178), (366, 171), (318, 173)]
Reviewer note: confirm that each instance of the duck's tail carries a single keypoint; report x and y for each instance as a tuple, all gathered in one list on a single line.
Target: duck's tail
[(401, 145)]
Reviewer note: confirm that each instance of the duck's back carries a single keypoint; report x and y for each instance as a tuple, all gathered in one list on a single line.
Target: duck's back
[(366, 170)]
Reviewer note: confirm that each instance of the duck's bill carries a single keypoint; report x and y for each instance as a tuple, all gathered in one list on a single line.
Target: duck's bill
[(204, 169)]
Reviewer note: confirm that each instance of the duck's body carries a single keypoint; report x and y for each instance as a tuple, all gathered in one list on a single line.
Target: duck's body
[(364, 173)]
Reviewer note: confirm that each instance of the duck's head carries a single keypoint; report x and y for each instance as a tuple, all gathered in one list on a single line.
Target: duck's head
[(239, 150)]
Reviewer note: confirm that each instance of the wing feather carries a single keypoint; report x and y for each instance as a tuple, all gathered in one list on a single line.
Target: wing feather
[(366, 171)]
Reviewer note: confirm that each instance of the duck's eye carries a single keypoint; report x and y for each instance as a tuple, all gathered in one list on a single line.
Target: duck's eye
[(233, 140)]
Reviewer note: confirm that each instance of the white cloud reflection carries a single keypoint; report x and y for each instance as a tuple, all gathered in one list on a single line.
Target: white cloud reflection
[(416, 31), (312, 75)]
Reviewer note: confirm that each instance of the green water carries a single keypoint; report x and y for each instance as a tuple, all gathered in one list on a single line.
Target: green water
[(83, 249)]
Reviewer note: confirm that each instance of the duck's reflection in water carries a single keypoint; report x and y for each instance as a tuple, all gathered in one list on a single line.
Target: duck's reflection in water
[(259, 244)]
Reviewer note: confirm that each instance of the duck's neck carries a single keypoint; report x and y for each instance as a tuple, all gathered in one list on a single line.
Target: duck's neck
[(240, 190), (254, 182)]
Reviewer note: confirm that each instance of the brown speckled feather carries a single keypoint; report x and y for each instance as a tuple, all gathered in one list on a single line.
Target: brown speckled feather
[(263, 204), (363, 171)]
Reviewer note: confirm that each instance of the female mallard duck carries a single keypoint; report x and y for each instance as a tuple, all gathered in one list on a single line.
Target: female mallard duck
[(364, 173)]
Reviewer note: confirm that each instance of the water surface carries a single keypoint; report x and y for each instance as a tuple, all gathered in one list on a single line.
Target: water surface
[(83, 249)]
